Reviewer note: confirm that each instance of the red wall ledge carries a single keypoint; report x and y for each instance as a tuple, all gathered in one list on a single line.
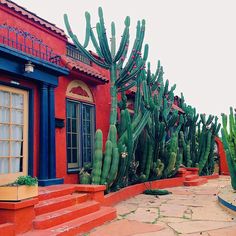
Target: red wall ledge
[(214, 176), (133, 190)]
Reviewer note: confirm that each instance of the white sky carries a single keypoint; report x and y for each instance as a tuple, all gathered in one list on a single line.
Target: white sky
[(194, 39)]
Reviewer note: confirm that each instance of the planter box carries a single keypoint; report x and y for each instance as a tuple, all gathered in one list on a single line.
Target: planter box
[(17, 193)]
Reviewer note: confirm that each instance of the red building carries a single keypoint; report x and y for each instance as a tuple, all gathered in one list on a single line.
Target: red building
[(51, 100)]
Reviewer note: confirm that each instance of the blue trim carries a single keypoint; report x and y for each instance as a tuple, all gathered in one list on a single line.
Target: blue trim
[(13, 62), (47, 182), (52, 68), (51, 133), (30, 125), (31, 134), (227, 204), (43, 148)]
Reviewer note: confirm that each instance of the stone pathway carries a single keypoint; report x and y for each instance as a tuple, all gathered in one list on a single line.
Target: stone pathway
[(188, 211)]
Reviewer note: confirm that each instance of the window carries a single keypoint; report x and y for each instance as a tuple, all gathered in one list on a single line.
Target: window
[(80, 133), (13, 133)]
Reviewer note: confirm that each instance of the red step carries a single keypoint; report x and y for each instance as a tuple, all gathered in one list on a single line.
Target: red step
[(55, 191), (193, 170), (191, 177), (58, 203), (7, 229), (79, 225), (50, 219), (195, 182)]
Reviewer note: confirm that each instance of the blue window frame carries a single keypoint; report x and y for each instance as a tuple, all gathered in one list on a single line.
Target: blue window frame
[(80, 126)]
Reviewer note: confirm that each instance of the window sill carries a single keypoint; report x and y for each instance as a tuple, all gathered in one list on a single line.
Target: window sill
[(73, 171)]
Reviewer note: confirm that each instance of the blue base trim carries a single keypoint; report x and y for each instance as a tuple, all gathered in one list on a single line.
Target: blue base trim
[(47, 182), (227, 204)]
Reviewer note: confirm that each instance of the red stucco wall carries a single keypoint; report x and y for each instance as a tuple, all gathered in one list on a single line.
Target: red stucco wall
[(100, 92), (102, 106)]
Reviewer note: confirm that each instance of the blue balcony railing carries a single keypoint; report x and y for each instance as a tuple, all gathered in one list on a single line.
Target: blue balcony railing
[(27, 43), (73, 52)]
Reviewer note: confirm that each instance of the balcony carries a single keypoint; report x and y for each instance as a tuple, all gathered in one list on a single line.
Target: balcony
[(27, 43), (74, 53)]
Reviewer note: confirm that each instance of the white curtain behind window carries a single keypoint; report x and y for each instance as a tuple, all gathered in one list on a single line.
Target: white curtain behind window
[(16, 131)]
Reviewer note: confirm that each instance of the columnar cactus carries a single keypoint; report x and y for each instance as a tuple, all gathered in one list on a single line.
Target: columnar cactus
[(97, 160), (228, 132)]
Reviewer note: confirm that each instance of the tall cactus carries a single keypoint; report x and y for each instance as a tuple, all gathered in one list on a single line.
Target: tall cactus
[(228, 132), (97, 161), (110, 59)]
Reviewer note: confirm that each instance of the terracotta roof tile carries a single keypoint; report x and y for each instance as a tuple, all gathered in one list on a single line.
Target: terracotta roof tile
[(32, 16), (72, 64)]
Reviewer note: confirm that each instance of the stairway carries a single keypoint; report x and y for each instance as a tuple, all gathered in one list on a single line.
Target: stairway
[(62, 211), (191, 177), (7, 229)]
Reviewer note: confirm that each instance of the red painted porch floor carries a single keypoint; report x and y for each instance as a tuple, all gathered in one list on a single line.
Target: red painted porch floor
[(188, 211)]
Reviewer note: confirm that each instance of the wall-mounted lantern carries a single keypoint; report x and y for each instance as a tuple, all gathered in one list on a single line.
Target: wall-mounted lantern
[(29, 67)]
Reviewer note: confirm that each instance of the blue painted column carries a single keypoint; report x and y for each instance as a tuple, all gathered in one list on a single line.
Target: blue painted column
[(43, 134), (47, 156), (51, 116)]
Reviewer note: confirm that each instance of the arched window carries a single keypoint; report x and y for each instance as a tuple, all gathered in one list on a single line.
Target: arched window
[(80, 124)]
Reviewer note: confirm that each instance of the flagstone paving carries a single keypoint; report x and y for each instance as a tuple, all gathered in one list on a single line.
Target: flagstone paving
[(188, 211)]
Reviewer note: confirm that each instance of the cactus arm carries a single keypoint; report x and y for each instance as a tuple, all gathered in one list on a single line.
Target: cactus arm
[(158, 70), (135, 53), (149, 159), (123, 80), (87, 31), (106, 162), (127, 86), (104, 50), (134, 72), (113, 92), (114, 167), (124, 41), (97, 161), (80, 47), (103, 36), (141, 125), (113, 40), (95, 43), (204, 158)]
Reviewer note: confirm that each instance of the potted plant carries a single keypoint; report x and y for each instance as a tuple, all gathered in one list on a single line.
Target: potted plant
[(23, 188)]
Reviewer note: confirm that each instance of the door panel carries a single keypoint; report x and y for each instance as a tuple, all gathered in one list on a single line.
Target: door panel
[(13, 133)]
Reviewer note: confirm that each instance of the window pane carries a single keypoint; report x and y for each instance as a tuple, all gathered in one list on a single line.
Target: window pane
[(4, 115), (15, 165), (16, 132), (68, 140), (4, 165), (4, 131), (17, 101), (69, 155), (4, 99), (74, 156), (74, 140), (68, 109), (74, 111), (16, 149), (74, 125), (68, 123), (73, 132), (4, 147), (16, 116), (88, 129)]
